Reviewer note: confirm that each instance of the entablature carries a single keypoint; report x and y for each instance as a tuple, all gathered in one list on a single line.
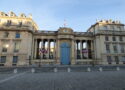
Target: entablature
[(110, 32)]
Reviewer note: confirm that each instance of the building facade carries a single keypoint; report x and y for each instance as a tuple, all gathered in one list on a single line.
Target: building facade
[(23, 44)]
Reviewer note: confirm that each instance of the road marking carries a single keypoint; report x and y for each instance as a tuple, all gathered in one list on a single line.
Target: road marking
[(12, 77)]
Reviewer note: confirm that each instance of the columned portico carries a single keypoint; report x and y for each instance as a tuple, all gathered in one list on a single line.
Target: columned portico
[(62, 48)]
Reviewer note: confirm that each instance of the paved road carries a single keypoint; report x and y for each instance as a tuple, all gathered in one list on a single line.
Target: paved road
[(108, 80)]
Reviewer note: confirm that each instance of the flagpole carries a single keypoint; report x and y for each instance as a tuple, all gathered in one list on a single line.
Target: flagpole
[(64, 23)]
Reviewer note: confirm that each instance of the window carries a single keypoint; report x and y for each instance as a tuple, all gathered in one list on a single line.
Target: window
[(106, 38), (119, 28), (20, 24), (4, 49), (120, 38), (115, 49), (114, 38), (16, 46), (107, 48), (6, 34), (17, 35), (122, 49), (3, 59), (123, 59), (8, 22), (116, 59), (112, 27), (109, 59), (15, 59), (5, 46), (105, 27)]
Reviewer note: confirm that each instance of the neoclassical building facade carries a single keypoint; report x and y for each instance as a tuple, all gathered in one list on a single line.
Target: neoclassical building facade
[(23, 44)]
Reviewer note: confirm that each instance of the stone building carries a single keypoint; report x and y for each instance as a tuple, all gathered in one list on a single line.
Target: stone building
[(23, 44)]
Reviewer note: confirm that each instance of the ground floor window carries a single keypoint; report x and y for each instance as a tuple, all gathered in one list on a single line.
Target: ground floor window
[(123, 59), (109, 59), (116, 59), (3, 59), (15, 59)]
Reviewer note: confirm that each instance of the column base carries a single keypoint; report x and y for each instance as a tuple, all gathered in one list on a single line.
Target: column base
[(58, 62), (73, 62)]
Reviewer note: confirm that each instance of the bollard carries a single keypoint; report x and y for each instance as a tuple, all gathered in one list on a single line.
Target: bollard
[(55, 70), (100, 69), (15, 71), (33, 70), (117, 68), (88, 69), (68, 70)]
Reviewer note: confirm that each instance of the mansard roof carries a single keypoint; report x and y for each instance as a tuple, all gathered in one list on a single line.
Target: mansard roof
[(12, 21)]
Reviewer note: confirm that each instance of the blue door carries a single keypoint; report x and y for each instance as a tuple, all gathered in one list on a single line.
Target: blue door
[(65, 53)]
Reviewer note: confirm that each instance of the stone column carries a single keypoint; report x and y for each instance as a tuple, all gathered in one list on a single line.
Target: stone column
[(87, 48), (35, 49), (44, 48), (92, 49), (32, 50), (81, 46), (54, 55), (38, 56), (73, 52), (58, 51), (48, 47), (77, 50), (41, 48)]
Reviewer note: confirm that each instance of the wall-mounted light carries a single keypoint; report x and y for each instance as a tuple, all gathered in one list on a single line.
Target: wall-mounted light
[(7, 45)]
